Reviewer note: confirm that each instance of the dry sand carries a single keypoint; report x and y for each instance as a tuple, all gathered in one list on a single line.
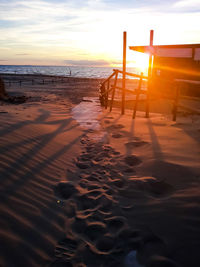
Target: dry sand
[(84, 187)]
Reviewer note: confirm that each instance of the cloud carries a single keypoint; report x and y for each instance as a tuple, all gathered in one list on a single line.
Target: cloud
[(22, 54), (186, 3), (188, 6)]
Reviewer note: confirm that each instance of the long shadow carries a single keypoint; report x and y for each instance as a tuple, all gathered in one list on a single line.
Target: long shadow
[(21, 161), (13, 146), (44, 224), (155, 143), (45, 114), (17, 166), (193, 133), (31, 174)]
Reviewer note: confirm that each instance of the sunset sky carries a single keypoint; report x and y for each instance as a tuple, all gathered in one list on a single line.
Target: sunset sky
[(89, 32)]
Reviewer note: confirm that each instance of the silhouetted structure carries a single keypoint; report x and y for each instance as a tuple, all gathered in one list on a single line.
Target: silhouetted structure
[(179, 63)]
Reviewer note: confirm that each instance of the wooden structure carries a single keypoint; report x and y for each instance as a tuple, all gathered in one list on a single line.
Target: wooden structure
[(174, 61), (108, 90), (173, 73)]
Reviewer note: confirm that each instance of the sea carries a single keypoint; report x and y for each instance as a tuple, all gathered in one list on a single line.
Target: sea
[(74, 71)]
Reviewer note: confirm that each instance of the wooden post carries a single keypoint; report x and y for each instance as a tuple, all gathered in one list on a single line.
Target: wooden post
[(137, 96), (106, 94), (149, 75), (124, 73), (113, 92), (175, 108)]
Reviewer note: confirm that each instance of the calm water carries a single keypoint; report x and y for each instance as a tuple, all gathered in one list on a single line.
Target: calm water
[(75, 71)]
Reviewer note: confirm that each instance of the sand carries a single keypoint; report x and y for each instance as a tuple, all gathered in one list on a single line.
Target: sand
[(81, 186)]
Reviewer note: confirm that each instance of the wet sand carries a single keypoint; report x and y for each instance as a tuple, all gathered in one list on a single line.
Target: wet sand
[(84, 187)]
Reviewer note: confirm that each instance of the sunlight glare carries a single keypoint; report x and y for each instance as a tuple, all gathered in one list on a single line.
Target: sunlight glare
[(142, 62)]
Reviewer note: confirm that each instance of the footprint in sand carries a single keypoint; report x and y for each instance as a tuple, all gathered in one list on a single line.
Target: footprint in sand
[(134, 144), (118, 183), (115, 127), (106, 121), (109, 117), (83, 215), (83, 165), (92, 178), (65, 190), (116, 153), (66, 249), (159, 188), (105, 245), (93, 187), (132, 160), (84, 157), (94, 194), (95, 230), (86, 203), (149, 185), (117, 135), (105, 204), (84, 183)]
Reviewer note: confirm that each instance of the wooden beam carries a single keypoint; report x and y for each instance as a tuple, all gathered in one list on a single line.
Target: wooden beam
[(193, 110), (134, 92), (149, 75), (109, 77), (124, 73), (106, 94), (131, 74), (113, 92)]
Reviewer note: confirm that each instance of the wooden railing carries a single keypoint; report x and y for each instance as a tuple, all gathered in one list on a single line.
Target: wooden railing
[(108, 90), (178, 97)]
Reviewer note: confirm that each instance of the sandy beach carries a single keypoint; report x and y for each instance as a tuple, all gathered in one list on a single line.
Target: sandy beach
[(82, 186)]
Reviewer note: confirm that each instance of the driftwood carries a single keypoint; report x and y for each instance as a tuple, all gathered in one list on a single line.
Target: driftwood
[(10, 99)]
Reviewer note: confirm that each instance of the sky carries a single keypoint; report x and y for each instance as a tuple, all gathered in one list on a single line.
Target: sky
[(90, 32)]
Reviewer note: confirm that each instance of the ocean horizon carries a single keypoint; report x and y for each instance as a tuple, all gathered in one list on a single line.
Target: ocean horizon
[(74, 71)]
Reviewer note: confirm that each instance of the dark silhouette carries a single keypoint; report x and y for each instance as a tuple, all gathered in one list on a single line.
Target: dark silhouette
[(7, 98)]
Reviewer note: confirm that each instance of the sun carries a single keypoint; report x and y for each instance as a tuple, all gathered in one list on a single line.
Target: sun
[(142, 62), (139, 61)]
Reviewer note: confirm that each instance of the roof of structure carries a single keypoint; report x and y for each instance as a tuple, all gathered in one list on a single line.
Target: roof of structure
[(176, 51)]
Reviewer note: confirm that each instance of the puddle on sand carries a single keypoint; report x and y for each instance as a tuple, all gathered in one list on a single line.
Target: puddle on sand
[(86, 114)]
